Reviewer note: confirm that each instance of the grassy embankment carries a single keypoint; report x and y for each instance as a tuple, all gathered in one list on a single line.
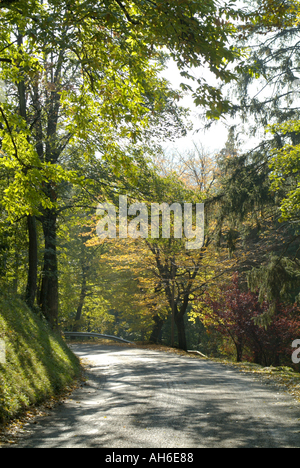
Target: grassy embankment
[(38, 362)]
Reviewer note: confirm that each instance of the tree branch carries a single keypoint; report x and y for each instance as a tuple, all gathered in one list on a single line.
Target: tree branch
[(131, 20), (12, 138)]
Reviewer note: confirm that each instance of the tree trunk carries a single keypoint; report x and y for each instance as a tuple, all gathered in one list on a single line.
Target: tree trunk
[(179, 320), (239, 351), (32, 262), (156, 332), (31, 221), (82, 297), (49, 289)]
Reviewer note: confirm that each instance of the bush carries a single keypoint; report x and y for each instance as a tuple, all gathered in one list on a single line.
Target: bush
[(233, 314)]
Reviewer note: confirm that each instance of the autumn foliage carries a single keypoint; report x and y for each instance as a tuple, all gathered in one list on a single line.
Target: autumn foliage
[(233, 314)]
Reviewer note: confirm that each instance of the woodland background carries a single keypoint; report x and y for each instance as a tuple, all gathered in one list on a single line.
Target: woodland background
[(85, 116)]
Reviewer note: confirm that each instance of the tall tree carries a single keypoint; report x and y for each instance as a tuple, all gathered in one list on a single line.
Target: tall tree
[(266, 96), (87, 74), (48, 132)]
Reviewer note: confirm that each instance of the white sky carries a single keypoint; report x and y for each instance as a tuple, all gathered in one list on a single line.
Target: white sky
[(213, 139)]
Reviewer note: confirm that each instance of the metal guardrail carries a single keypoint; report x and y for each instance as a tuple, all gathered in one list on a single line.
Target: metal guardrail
[(196, 352), (97, 335), (115, 338)]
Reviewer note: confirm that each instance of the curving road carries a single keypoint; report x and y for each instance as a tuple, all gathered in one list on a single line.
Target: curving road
[(136, 398)]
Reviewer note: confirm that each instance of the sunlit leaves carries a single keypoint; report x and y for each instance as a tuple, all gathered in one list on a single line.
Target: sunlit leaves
[(285, 167)]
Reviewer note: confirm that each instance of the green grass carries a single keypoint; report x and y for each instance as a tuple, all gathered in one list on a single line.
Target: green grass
[(38, 362)]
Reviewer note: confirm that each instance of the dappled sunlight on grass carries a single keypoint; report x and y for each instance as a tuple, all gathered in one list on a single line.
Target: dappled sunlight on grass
[(38, 362)]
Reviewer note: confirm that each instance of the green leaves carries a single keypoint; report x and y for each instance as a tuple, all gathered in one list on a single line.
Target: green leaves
[(84, 86), (285, 167)]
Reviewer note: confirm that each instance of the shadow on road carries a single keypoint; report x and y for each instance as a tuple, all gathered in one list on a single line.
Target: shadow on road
[(143, 399)]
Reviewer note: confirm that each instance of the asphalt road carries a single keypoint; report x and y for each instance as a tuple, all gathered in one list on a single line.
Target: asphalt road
[(136, 398)]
